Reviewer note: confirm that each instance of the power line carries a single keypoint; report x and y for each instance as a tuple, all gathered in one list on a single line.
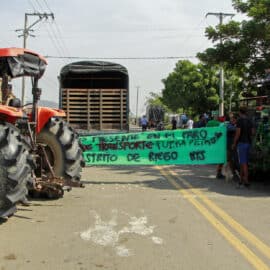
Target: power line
[(154, 30), (58, 36), (53, 32), (56, 32), (27, 31), (39, 4), (195, 28), (46, 4), (54, 42), (123, 58), (31, 4)]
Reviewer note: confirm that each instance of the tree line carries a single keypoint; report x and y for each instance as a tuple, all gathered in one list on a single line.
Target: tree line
[(244, 54)]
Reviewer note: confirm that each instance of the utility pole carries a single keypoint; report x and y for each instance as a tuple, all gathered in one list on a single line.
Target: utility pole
[(221, 15), (26, 32), (230, 105), (137, 101)]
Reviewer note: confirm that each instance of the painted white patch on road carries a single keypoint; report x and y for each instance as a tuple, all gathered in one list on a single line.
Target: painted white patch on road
[(122, 251), (103, 233), (106, 234), (138, 226), (157, 240)]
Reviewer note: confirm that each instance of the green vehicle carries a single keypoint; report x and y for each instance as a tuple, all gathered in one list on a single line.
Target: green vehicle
[(259, 110)]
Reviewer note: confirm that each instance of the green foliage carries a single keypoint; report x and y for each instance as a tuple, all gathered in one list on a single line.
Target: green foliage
[(229, 31), (242, 48), (194, 88), (257, 9), (156, 100), (245, 46), (191, 87)]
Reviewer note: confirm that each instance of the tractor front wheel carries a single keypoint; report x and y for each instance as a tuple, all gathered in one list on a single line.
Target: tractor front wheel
[(62, 148)]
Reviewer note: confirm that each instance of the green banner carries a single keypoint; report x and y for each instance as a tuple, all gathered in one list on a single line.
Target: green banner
[(188, 146)]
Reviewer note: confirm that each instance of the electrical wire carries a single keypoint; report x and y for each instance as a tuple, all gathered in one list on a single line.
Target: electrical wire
[(46, 4), (190, 35), (57, 42), (50, 83), (55, 45), (6, 43), (135, 30), (39, 5), (123, 58), (63, 52), (31, 4), (53, 36), (57, 33)]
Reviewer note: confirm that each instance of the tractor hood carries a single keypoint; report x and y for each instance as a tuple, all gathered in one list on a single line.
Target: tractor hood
[(17, 62)]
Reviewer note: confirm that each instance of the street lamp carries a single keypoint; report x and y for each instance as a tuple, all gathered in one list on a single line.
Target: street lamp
[(137, 101)]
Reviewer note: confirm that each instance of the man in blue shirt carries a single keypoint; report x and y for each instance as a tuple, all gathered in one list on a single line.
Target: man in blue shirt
[(144, 123)]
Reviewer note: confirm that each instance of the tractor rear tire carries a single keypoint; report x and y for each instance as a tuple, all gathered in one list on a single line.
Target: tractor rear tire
[(62, 148), (15, 169)]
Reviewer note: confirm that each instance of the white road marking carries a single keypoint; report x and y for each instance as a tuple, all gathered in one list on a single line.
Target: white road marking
[(138, 226), (122, 251), (157, 240), (105, 233)]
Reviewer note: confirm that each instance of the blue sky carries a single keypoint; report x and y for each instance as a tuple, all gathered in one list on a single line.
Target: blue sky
[(113, 28)]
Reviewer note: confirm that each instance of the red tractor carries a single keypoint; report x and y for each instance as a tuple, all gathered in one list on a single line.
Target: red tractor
[(39, 152)]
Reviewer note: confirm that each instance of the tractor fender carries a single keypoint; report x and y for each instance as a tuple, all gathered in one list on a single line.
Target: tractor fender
[(10, 114), (44, 114)]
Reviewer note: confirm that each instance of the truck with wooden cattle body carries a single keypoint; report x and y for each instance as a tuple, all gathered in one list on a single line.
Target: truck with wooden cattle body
[(95, 96)]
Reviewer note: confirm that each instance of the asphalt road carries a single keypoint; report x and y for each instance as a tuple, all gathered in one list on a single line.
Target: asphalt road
[(177, 217)]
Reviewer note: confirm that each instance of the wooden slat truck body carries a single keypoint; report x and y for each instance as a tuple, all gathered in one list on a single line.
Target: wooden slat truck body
[(95, 96)]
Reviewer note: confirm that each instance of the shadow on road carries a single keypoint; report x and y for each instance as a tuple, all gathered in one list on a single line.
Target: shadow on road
[(3, 220), (203, 177), (198, 176), (156, 180)]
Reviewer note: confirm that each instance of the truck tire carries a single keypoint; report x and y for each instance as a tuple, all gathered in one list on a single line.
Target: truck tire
[(63, 149), (15, 169)]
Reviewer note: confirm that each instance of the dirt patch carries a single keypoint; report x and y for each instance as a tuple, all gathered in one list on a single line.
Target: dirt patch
[(10, 257)]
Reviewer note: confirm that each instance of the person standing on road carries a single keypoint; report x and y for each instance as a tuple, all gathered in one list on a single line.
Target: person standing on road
[(232, 158), (144, 123), (183, 120), (201, 123), (215, 123), (242, 142), (190, 123), (173, 122)]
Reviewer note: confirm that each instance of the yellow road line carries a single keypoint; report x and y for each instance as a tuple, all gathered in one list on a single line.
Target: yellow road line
[(264, 249), (231, 238)]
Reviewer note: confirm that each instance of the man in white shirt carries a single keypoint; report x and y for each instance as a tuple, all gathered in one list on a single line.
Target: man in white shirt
[(190, 123)]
